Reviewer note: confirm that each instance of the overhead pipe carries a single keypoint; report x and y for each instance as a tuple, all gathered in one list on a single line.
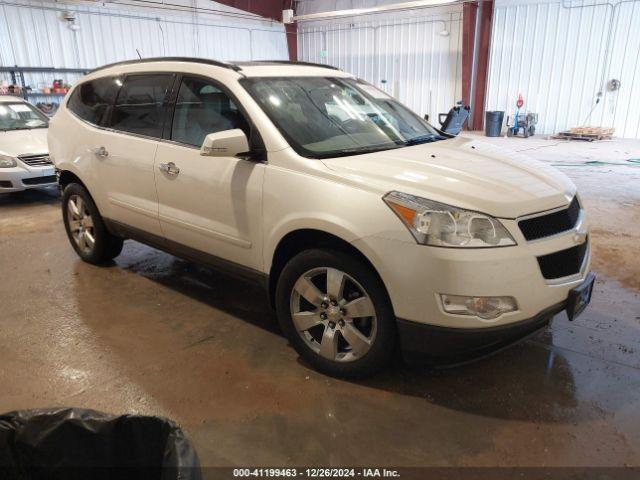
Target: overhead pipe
[(474, 63)]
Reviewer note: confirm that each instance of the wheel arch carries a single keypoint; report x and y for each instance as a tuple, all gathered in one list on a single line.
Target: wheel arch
[(66, 177), (302, 239)]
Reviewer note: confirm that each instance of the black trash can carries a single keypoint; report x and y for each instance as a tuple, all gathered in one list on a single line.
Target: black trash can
[(74, 443), (493, 123)]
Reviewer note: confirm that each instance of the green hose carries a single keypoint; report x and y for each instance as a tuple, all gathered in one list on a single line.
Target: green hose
[(598, 163)]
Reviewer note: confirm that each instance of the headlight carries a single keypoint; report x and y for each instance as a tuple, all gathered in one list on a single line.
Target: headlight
[(440, 225), (7, 162)]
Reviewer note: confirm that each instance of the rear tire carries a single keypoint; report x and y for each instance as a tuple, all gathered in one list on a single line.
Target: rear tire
[(85, 228), (336, 313)]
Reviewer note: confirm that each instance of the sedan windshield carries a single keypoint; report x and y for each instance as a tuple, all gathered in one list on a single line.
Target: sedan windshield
[(328, 117), (21, 116)]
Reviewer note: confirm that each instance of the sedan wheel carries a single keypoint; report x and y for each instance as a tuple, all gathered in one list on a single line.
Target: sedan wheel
[(333, 314)]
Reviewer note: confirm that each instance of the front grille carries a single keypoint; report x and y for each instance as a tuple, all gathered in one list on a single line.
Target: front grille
[(6, 184), (551, 224), (563, 263), (41, 160), (40, 180)]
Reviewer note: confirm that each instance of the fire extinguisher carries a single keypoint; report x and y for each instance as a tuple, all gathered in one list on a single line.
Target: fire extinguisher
[(519, 104)]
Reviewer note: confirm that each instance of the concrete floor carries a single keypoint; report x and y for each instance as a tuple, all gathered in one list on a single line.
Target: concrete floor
[(157, 335)]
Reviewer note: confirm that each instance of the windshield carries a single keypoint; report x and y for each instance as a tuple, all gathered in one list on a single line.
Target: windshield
[(21, 116), (328, 117)]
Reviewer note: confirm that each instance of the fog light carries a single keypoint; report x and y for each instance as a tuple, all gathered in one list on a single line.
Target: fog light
[(486, 308)]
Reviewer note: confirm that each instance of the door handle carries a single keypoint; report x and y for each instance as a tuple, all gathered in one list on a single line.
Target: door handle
[(169, 168), (101, 152)]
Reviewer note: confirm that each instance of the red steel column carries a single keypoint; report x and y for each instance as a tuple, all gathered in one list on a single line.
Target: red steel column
[(470, 12), (292, 40)]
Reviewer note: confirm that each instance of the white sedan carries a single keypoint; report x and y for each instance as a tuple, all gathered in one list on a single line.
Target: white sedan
[(24, 154)]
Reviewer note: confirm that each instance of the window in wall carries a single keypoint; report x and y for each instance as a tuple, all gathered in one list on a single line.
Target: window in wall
[(92, 101), (201, 109), (140, 105)]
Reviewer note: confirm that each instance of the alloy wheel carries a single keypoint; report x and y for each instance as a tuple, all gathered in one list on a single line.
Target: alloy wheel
[(81, 224), (333, 314)]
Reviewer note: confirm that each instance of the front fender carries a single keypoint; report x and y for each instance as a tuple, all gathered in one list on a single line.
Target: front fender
[(297, 200), (294, 222)]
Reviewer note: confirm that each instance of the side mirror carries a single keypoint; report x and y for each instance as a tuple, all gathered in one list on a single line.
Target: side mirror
[(228, 143)]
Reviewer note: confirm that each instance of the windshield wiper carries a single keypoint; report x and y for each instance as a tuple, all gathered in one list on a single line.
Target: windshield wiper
[(345, 152), (23, 128), (423, 139)]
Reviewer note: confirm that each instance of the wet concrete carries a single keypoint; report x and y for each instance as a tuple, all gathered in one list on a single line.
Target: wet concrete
[(157, 335)]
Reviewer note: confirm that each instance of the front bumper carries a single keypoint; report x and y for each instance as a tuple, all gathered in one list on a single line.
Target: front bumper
[(442, 346), (415, 276), (21, 178)]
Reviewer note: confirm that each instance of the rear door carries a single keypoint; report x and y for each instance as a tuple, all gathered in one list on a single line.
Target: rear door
[(124, 151), (210, 204)]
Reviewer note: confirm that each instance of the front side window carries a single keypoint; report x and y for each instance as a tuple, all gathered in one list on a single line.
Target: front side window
[(201, 109), (140, 106), (92, 101), (328, 117), (21, 116)]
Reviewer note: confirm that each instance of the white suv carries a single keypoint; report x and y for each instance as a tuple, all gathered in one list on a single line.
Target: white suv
[(24, 155), (369, 228)]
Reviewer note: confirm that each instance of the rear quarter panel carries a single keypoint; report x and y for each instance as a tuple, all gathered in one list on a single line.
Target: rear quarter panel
[(69, 141)]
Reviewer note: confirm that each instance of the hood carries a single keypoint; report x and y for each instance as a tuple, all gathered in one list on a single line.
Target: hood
[(462, 172), (24, 142)]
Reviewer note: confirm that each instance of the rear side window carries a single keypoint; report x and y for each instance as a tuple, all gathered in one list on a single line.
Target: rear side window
[(92, 101), (140, 106), (202, 108)]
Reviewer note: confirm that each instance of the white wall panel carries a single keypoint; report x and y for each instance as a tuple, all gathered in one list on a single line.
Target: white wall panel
[(33, 34), (559, 58), (401, 52), (625, 66)]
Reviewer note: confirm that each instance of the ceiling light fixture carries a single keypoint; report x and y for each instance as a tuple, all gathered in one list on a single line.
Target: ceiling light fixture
[(373, 10)]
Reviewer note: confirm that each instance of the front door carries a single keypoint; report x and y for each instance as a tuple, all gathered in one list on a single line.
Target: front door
[(210, 204)]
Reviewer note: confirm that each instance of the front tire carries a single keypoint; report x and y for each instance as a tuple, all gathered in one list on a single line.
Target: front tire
[(336, 313), (85, 228)]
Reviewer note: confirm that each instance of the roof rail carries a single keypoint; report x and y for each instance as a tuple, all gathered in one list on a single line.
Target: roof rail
[(169, 59), (283, 62)]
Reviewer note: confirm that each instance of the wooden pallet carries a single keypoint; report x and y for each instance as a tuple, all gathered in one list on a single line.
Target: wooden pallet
[(588, 134)]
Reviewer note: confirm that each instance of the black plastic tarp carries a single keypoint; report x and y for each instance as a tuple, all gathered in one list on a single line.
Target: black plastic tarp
[(72, 443)]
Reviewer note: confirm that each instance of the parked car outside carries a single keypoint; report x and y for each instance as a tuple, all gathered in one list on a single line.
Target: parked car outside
[(24, 154), (369, 229)]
